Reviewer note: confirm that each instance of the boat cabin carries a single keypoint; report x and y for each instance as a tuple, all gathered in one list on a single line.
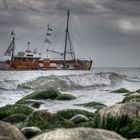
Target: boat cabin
[(26, 62)]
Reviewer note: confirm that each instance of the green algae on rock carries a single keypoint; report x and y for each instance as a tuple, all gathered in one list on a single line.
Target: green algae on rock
[(15, 118), (138, 91), (132, 98), (121, 90), (120, 118), (53, 94), (93, 104), (38, 95), (65, 97), (69, 113), (35, 104), (45, 120), (9, 110)]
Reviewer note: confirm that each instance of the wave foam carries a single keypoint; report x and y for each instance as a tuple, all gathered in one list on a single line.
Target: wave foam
[(65, 82), (79, 81)]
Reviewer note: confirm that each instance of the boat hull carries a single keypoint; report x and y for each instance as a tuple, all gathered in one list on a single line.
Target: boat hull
[(48, 65)]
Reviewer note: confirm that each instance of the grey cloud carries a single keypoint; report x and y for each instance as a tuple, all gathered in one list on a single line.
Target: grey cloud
[(3, 5), (123, 7), (49, 6), (13, 18), (81, 7)]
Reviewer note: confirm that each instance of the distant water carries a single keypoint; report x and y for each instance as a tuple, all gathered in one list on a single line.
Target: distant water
[(94, 85)]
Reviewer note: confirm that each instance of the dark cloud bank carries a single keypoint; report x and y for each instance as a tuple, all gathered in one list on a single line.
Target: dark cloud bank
[(110, 28)]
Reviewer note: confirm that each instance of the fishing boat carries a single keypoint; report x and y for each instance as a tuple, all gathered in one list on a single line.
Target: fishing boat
[(26, 60)]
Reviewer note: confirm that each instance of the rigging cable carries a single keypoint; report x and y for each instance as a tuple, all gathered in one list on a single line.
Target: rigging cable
[(71, 39), (71, 47), (57, 32), (83, 44), (39, 29), (54, 38), (36, 32)]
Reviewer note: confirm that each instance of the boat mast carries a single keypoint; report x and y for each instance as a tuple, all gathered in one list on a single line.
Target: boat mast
[(13, 49), (66, 37)]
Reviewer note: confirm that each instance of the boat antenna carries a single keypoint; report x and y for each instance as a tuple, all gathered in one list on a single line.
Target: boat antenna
[(66, 37), (13, 48)]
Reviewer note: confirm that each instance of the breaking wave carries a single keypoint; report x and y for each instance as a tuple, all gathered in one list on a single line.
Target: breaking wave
[(78, 81), (65, 81), (8, 84)]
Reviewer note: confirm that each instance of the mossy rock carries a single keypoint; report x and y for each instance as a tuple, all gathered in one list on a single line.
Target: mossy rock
[(31, 103), (9, 110), (65, 97), (121, 90), (89, 123), (131, 99), (138, 91), (69, 113), (24, 102), (110, 122), (131, 129), (132, 94), (45, 120), (40, 95), (122, 125), (15, 118), (121, 118), (36, 104), (135, 139), (93, 104)]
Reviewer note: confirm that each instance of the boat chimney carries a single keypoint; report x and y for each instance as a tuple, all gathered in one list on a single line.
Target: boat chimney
[(28, 49)]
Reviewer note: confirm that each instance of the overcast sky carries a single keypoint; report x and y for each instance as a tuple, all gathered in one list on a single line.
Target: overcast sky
[(110, 29)]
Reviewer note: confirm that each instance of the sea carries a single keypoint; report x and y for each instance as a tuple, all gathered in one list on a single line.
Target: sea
[(94, 85)]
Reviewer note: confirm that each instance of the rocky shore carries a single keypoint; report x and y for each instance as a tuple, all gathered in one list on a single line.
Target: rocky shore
[(25, 121)]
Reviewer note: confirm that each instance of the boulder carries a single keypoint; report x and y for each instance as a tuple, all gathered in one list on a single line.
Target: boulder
[(15, 118), (65, 97), (36, 104), (10, 132), (79, 134), (93, 104), (40, 95), (69, 113), (131, 110), (134, 97), (135, 139), (30, 131), (9, 110), (79, 118), (122, 118), (46, 120), (138, 90), (120, 90)]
